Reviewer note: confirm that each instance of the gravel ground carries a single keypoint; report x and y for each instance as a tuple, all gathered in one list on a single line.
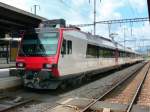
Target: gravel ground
[(43, 101), (144, 97), (42, 107), (125, 92), (90, 90)]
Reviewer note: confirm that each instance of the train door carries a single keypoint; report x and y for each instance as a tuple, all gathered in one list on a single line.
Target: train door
[(65, 57)]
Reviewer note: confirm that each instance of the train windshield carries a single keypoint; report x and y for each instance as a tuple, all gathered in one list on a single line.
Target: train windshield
[(39, 44)]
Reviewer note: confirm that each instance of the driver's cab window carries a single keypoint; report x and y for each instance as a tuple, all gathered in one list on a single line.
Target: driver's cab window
[(66, 47), (63, 49)]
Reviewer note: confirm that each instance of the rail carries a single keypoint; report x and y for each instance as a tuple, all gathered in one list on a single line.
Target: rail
[(6, 103), (138, 90)]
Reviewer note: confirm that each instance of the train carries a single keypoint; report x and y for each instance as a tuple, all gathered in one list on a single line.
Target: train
[(54, 55)]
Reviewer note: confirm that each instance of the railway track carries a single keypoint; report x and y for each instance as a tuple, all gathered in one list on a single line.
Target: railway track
[(10, 102), (138, 89), (42, 108), (144, 99), (143, 70)]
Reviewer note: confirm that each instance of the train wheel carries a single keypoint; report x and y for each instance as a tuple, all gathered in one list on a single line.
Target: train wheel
[(63, 86), (77, 82), (85, 79), (74, 83), (80, 81)]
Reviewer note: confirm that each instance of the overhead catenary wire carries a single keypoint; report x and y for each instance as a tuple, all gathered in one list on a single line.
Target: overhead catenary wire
[(117, 21)]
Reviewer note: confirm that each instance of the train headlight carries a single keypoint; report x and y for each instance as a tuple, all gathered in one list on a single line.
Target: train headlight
[(47, 66), (20, 65)]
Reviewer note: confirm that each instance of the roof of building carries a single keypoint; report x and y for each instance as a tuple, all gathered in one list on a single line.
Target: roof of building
[(12, 19)]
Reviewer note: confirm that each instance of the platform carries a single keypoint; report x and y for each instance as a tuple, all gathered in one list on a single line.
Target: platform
[(5, 65), (9, 82), (8, 79)]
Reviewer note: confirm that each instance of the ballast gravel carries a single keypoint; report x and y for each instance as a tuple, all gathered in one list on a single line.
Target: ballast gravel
[(124, 93)]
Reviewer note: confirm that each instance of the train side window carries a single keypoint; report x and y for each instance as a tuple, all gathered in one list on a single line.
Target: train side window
[(63, 49), (100, 52), (106, 53), (113, 55), (69, 47), (92, 51)]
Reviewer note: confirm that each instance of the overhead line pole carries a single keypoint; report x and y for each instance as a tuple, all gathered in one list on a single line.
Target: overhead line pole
[(94, 17), (124, 39), (35, 8), (94, 14)]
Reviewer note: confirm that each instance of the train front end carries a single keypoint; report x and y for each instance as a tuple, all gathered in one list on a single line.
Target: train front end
[(38, 58)]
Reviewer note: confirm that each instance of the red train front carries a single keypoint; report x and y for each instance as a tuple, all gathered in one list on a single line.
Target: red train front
[(38, 57)]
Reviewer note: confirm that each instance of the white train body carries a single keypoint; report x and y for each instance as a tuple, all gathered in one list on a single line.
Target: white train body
[(52, 55), (78, 61)]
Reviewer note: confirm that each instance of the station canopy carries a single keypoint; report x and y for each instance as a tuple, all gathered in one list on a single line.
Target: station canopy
[(13, 19)]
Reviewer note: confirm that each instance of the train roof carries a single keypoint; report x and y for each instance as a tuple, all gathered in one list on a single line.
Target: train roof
[(99, 40), (93, 39), (96, 39)]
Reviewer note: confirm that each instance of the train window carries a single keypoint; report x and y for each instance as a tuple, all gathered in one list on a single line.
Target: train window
[(41, 44), (100, 52), (63, 49), (121, 54), (92, 51), (69, 47), (89, 51), (128, 55), (124, 54), (107, 53), (96, 52), (111, 53)]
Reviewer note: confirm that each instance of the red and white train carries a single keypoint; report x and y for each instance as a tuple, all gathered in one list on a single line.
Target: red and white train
[(52, 57)]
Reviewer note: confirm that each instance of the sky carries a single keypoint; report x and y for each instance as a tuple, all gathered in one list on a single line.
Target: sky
[(81, 12)]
